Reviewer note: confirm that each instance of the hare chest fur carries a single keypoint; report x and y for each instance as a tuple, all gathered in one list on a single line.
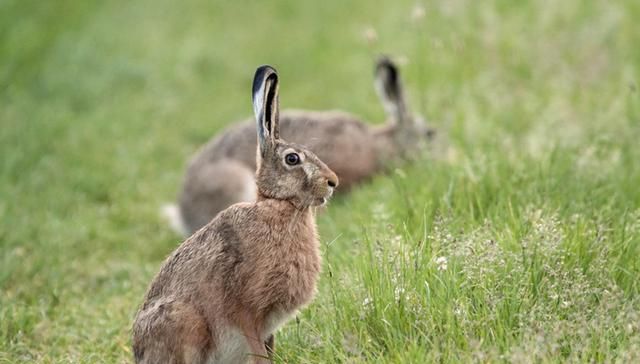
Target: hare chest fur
[(233, 349), (234, 346), (286, 266)]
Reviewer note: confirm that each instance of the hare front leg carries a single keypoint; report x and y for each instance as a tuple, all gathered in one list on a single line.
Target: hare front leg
[(258, 348), (251, 329), (270, 344)]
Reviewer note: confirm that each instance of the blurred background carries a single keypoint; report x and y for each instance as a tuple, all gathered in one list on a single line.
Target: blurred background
[(102, 102)]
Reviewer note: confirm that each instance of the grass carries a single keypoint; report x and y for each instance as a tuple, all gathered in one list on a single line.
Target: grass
[(517, 240)]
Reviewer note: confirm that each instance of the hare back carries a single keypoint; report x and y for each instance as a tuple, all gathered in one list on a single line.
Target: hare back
[(346, 144), (213, 187)]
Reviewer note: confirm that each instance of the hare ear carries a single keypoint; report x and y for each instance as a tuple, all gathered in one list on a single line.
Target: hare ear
[(265, 107), (389, 89)]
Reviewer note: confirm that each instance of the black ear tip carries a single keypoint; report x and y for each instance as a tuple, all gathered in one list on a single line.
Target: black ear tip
[(265, 70), (384, 63), (263, 73)]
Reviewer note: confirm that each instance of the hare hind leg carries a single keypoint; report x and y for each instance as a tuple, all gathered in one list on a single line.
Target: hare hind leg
[(212, 188), (171, 333)]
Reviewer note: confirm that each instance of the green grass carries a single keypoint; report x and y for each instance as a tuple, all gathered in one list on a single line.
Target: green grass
[(518, 240)]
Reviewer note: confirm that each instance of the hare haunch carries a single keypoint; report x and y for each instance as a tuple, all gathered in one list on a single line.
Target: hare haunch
[(222, 172), (221, 294)]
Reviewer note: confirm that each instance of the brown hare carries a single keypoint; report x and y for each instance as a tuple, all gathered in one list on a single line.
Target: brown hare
[(219, 297), (221, 173)]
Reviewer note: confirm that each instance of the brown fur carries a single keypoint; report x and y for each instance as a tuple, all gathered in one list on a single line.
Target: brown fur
[(248, 269), (355, 150)]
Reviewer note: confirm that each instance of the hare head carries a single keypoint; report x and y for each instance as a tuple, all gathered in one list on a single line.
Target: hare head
[(410, 132), (285, 171)]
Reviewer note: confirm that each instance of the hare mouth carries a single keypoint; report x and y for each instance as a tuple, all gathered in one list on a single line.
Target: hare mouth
[(321, 201)]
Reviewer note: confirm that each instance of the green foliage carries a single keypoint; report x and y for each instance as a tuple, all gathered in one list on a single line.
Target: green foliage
[(516, 239)]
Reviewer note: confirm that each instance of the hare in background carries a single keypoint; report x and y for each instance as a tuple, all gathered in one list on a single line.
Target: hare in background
[(222, 172), (219, 297)]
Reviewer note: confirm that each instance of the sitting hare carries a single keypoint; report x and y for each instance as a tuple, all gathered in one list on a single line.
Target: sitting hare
[(221, 173), (219, 297)]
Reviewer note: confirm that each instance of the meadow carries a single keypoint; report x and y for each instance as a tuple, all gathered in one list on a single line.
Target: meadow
[(515, 239)]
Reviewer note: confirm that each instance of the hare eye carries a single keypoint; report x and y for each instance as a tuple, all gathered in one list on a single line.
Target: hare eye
[(292, 159)]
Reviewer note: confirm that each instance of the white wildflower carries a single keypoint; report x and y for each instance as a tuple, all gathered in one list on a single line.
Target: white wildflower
[(401, 60), (370, 35), (380, 212), (400, 173), (441, 263), (366, 303), (418, 12)]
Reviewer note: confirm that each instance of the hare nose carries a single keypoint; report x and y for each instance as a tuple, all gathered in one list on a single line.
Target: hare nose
[(332, 180)]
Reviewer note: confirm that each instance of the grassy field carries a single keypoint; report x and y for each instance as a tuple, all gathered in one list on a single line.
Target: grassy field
[(517, 240)]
